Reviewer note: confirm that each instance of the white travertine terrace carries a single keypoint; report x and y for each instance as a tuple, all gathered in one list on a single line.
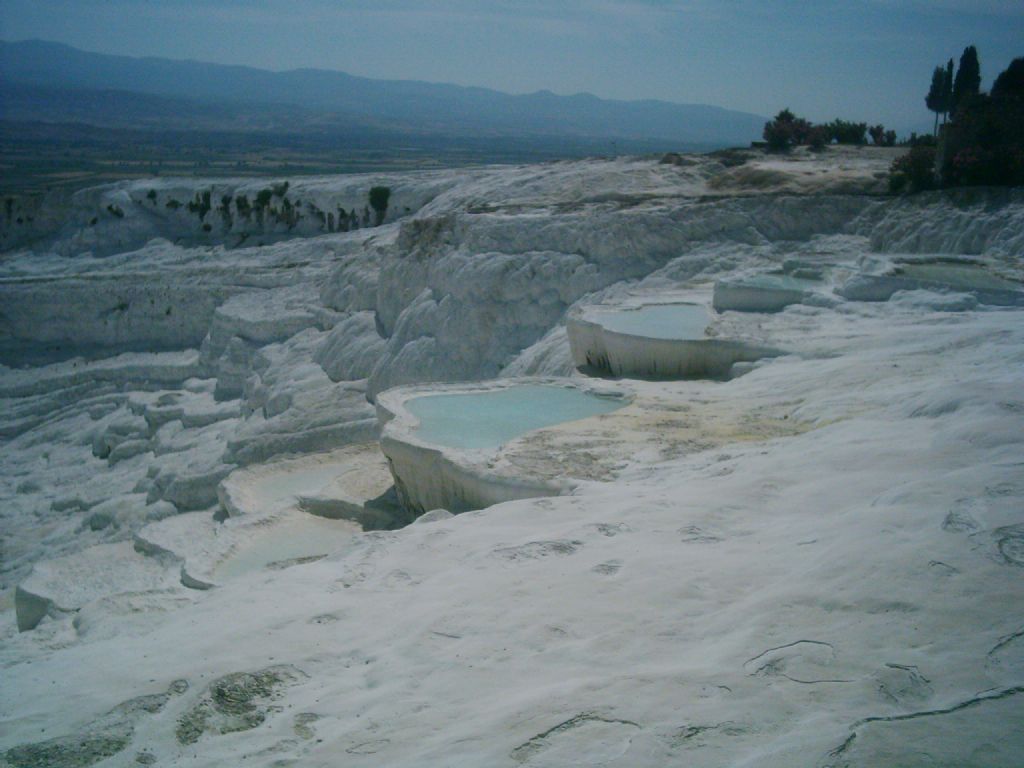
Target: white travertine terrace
[(765, 292), (941, 274), (662, 353), (430, 475), (817, 563)]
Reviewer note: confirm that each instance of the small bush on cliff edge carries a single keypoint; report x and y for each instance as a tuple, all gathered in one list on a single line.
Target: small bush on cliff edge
[(914, 171), (379, 197), (786, 130), (848, 132)]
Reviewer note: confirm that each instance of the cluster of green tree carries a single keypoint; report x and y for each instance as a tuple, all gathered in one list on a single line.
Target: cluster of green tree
[(787, 130), (981, 140), (201, 205), (881, 137), (273, 203)]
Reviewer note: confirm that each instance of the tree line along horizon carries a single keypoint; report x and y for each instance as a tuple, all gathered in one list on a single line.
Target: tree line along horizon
[(980, 140)]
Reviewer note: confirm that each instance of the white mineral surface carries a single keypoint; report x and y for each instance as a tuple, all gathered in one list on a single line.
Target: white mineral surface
[(817, 562)]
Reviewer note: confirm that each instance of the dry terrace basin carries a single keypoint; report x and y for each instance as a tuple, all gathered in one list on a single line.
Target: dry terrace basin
[(442, 441), (762, 293), (666, 340), (942, 275)]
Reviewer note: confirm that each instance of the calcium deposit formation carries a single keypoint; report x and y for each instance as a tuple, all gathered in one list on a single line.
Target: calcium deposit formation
[(702, 460)]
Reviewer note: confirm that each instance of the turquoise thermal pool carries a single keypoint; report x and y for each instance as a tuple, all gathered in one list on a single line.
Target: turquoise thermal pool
[(488, 419), (684, 322)]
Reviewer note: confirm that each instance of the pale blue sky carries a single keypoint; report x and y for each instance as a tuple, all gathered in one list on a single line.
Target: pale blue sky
[(859, 59)]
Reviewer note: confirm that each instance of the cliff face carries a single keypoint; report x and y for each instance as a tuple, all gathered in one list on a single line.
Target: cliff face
[(117, 217)]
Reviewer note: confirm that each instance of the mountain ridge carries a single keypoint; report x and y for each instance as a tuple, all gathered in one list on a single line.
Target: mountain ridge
[(432, 107)]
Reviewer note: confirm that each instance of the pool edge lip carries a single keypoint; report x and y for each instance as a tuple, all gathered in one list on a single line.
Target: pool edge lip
[(596, 347), (581, 315), (883, 279), (392, 415), (772, 294), (430, 475)]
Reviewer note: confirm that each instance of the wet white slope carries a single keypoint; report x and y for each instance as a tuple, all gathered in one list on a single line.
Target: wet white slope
[(753, 603), (757, 604)]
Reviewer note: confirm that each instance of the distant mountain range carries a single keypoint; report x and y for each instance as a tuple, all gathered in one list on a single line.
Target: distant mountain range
[(51, 82)]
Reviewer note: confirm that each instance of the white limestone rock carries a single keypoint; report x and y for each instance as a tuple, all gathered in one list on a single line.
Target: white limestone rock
[(549, 356), (351, 349), (838, 530), (945, 275), (294, 407), (64, 585), (352, 284)]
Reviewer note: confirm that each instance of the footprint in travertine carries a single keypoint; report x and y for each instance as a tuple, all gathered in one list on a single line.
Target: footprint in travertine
[(903, 684), (353, 574), (1008, 653), (368, 747), (360, 563), (701, 735), (943, 569), (327, 618), (586, 739), (398, 578), (303, 725), (959, 519), (692, 534), (534, 550), (1009, 542), (803, 661), (609, 529), (607, 568)]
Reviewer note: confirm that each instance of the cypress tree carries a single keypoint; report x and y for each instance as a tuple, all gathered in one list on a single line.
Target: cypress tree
[(967, 82), (947, 93), (936, 98)]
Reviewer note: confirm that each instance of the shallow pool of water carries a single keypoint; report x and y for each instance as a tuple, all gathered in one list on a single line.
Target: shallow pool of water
[(963, 276), (657, 321), (488, 419), (301, 536), (286, 485)]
